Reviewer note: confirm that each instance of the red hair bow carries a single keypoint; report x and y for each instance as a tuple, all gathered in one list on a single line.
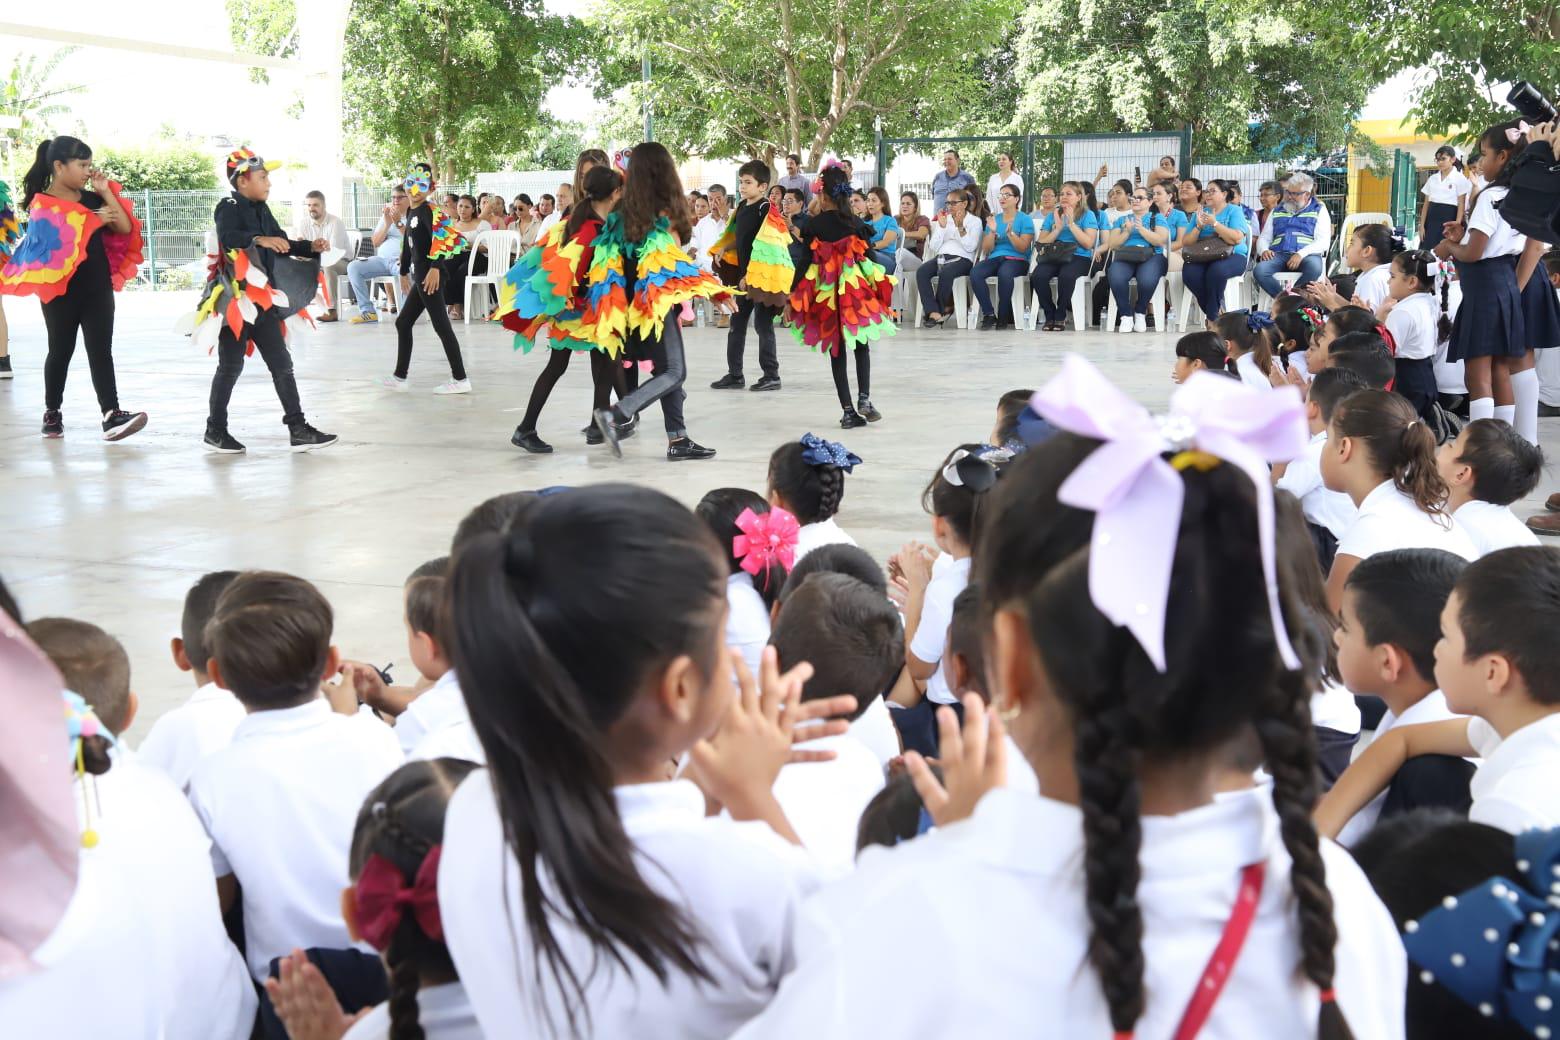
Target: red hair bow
[(765, 539), (382, 901)]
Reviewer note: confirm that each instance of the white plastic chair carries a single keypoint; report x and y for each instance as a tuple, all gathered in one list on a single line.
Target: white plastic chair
[(1020, 298), (1350, 222), (354, 240), (501, 248), (1082, 289)]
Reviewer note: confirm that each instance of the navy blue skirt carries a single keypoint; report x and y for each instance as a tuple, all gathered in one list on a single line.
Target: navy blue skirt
[(1541, 311), (1490, 322)]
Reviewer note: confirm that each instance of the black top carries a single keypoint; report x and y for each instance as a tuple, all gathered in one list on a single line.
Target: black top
[(831, 225), (92, 274), (749, 217), (240, 221), (417, 241)]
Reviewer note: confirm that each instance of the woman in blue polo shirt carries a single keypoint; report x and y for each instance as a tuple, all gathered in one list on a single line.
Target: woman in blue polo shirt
[(1138, 241), (885, 229), (1009, 235), (1072, 222), (1220, 219)]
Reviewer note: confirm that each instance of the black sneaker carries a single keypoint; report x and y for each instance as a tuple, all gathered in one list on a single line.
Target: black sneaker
[(852, 420), (528, 440), (53, 424), (119, 424), (866, 410), (684, 449), (5, 368), (766, 383), (608, 430), (592, 435), (307, 438), (221, 442), (988, 323), (728, 382)]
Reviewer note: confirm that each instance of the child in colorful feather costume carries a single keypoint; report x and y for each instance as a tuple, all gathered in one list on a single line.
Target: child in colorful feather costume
[(430, 240), (843, 300), (754, 254)]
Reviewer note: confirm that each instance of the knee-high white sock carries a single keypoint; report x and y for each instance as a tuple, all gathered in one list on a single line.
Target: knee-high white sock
[(1524, 388), (1481, 408), (1506, 413)]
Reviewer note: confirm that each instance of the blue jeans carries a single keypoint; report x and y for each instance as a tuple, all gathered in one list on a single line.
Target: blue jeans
[(1148, 273), (950, 271), (1207, 282), (360, 271), (1007, 269), (1310, 271), (886, 259), (1066, 276)]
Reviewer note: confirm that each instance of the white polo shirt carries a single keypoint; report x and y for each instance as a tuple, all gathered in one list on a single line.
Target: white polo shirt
[(1414, 324), (1389, 519), (1431, 708), (438, 708), (444, 1012), (1446, 189), (816, 536), (747, 619), (187, 734), (1303, 478), (739, 883), (999, 901), (1518, 785), (931, 635), (824, 800), (1371, 286), (1246, 367), (1504, 240), (875, 728), (1492, 527), (280, 804)]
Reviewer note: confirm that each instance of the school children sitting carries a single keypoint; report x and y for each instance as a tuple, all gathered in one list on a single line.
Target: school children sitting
[(1488, 467)]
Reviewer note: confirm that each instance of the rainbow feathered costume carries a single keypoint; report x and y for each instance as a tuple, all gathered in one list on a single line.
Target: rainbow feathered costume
[(547, 290), (665, 277), (770, 270), (55, 244), (844, 298), (10, 231)]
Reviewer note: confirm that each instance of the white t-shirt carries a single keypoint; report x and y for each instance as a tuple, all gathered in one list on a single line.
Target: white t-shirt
[(1371, 286), (1334, 707), (1492, 527), (1504, 240), (875, 728), (824, 800), (1389, 519), (1414, 323), (931, 636), (997, 902), (444, 1012), (182, 737), (279, 804), (1447, 189), (1250, 374), (1431, 708), (747, 619), (1303, 478), (994, 185), (739, 884), (438, 708), (705, 234), (816, 536), (1518, 785)]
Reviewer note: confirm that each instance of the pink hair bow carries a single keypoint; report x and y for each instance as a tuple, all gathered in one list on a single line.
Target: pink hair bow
[(766, 538), (1518, 132), (1136, 495)]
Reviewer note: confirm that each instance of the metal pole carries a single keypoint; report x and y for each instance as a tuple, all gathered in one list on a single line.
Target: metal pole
[(151, 239), (644, 78), (1029, 172), (880, 149)]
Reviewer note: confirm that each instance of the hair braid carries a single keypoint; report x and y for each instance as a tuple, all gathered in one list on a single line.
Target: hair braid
[(1443, 328), (831, 490), (405, 1023)]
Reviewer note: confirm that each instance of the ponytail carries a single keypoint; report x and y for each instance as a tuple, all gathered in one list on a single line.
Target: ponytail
[(1251, 332), (1400, 446), (597, 185), (41, 174)]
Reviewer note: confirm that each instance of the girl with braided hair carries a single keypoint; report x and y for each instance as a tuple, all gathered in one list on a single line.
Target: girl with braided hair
[(807, 480), (1126, 898)]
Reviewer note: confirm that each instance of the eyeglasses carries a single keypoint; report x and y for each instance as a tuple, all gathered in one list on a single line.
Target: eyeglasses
[(1140, 198), (957, 202)]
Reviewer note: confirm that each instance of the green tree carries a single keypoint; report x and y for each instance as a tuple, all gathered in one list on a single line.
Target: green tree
[(267, 27), (805, 76), (455, 83), (166, 166), (30, 96)]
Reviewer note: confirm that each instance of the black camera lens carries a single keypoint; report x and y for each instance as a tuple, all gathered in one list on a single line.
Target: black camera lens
[(1530, 103)]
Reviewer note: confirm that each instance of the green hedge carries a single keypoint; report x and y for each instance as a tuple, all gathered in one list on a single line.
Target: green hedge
[(162, 167)]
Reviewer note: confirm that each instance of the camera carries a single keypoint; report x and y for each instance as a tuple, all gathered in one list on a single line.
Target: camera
[(1530, 103), (1532, 205)]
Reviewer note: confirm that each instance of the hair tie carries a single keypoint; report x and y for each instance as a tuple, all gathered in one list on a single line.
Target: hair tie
[(1518, 132), (977, 470), (1256, 321), (82, 723), (1391, 340), (1313, 318), (382, 900), (818, 452), (766, 539)]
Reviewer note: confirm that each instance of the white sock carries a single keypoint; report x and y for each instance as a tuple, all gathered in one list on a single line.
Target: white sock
[(1481, 408), (1524, 387), (1506, 413)]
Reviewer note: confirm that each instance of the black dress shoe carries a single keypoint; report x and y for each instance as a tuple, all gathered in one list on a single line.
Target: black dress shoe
[(684, 449), (866, 409), (625, 430), (852, 420), (608, 430), (528, 440), (766, 383), (728, 382), (592, 435), (988, 323)]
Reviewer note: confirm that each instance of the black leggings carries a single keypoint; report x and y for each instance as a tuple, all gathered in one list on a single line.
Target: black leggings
[(90, 309), (668, 372), (606, 375), (417, 301), (842, 378)]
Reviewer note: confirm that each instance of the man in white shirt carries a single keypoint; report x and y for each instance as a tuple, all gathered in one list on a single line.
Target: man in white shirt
[(708, 231), (386, 261), (850, 172), (1295, 237), (565, 200), (316, 224)]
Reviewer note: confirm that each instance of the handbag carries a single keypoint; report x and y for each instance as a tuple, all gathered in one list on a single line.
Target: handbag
[(1057, 253), (1207, 250), (1133, 254)]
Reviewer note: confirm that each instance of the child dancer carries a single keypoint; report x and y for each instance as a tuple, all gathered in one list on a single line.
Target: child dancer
[(546, 289), (842, 302), (82, 246), (639, 277), (248, 235), (753, 256), (428, 242)]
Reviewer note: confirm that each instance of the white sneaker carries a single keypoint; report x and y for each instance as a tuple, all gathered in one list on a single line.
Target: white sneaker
[(454, 386), (1139, 323), (1126, 325), (400, 386)]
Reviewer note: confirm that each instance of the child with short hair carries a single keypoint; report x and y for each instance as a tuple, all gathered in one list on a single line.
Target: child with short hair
[(1327, 512), (853, 638), (743, 524), (1200, 352), (92, 663), (966, 652), (807, 480), (1249, 346), (1373, 365), (1388, 628), (278, 801), (184, 735), (435, 724), (1497, 661), (1011, 406), (1488, 467), (761, 266)]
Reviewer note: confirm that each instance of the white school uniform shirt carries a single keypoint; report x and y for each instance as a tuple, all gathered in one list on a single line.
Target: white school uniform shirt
[(1431, 708), (1303, 478), (1000, 899), (1492, 527), (1446, 189), (1504, 240), (201, 725), (747, 619), (824, 800), (816, 536), (931, 636), (1414, 324), (1250, 374), (1389, 519), (875, 728), (1518, 785), (443, 1011), (1371, 286), (1333, 707), (280, 804), (438, 708), (739, 883)]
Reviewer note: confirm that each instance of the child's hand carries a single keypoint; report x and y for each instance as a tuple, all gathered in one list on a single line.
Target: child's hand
[(737, 765), (806, 727), (1277, 377), (899, 592), (430, 282), (366, 682), (305, 1003), (1295, 377), (1385, 308), (973, 762), (915, 563)]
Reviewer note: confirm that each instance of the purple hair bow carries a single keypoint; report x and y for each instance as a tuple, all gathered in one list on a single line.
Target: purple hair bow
[(1136, 495)]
